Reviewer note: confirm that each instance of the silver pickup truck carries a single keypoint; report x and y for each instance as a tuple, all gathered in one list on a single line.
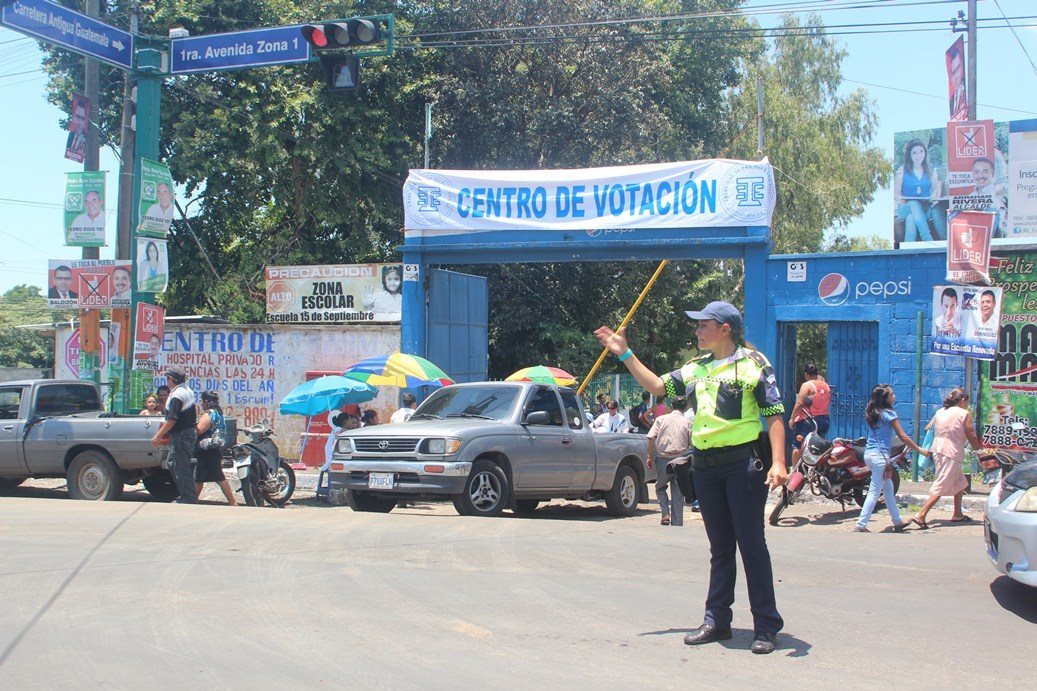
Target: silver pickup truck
[(55, 428), (490, 446)]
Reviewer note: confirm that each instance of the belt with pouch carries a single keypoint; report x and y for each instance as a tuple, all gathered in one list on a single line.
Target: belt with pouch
[(711, 458)]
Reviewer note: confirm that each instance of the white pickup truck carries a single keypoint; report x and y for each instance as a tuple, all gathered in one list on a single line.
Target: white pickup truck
[(489, 446), (56, 428)]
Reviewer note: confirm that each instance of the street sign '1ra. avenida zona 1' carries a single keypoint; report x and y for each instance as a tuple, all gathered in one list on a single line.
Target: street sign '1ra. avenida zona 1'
[(70, 29), (279, 45)]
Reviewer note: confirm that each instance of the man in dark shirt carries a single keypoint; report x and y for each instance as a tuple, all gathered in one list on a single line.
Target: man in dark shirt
[(179, 432), (640, 417)]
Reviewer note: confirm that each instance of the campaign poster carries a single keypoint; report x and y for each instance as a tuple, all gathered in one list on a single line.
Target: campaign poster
[(156, 200), (152, 265), (334, 293), (118, 344), (1022, 179), (965, 320), (88, 283), (1008, 385), (78, 125), (84, 209), (968, 141), (919, 186), (968, 247), (147, 337), (956, 94)]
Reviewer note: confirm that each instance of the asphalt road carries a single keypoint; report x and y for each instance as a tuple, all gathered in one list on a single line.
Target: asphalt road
[(145, 594)]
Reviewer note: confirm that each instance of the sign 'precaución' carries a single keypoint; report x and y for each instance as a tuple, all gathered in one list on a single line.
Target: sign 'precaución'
[(279, 45), (70, 29)]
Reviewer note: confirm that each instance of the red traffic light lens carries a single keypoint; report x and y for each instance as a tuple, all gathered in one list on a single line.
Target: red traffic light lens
[(315, 36)]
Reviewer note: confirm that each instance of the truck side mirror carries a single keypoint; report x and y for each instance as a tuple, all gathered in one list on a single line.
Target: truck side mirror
[(537, 417)]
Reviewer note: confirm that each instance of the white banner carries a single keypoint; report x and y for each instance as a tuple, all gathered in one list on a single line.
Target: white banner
[(690, 194)]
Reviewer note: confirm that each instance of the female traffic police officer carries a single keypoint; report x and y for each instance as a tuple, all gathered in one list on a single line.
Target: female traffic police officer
[(730, 386)]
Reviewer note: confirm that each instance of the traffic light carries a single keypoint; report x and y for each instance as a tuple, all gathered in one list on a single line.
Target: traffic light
[(348, 33), (341, 72)]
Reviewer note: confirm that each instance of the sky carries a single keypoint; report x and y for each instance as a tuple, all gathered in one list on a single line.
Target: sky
[(904, 74)]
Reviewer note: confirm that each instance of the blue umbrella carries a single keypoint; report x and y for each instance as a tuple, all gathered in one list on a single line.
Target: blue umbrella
[(326, 393)]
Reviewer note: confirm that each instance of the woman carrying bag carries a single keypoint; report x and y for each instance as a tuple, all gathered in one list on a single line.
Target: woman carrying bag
[(212, 436)]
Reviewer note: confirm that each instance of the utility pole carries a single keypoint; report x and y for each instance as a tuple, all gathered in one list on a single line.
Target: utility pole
[(428, 130), (970, 83), (971, 51), (124, 232), (90, 319)]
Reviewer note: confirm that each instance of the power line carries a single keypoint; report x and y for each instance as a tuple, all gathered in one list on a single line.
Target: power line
[(936, 96), (18, 74), (1017, 39)]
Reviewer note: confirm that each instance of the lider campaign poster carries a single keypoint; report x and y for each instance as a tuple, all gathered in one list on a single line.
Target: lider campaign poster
[(89, 283), (147, 337), (78, 125), (968, 247)]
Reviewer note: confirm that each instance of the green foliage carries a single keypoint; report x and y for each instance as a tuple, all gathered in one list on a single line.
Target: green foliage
[(24, 304), (281, 173), (850, 243), (818, 141)]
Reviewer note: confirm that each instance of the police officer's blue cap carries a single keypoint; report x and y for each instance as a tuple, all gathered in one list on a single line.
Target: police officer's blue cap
[(720, 312)]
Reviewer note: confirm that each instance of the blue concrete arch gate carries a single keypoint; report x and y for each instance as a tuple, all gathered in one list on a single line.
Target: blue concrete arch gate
[(716, 209)]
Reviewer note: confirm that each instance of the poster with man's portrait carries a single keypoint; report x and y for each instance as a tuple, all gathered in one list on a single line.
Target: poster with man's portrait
[(147, 337), (78, 125), (84, 209), (966, 321), (956, 94), (156, 199)]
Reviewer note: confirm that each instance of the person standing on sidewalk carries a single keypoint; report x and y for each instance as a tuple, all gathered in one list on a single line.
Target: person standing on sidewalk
[(179, 428), (669, 438), (882, 423), (953, 428), (730, 388)]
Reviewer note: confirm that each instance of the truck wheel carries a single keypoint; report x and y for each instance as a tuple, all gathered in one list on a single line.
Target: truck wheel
[(366, 501), (525, 507), (485, 492), (161, 486), (94, 476), (622, 498)]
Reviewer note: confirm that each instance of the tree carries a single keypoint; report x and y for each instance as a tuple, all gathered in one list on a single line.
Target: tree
[(21, 305), (818, 141)]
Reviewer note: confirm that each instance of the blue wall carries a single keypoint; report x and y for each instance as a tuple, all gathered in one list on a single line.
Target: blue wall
[(904, 284)]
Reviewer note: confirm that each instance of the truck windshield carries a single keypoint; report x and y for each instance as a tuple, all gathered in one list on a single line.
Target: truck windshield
[(494, 402)]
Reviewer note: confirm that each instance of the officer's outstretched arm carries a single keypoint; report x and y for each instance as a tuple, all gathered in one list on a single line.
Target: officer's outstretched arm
[(616, 342)]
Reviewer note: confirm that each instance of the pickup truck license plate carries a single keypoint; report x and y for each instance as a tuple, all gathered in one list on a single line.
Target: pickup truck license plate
[(380, 481)]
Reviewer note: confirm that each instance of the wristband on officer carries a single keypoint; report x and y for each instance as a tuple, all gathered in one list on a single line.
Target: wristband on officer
[(627, 355)]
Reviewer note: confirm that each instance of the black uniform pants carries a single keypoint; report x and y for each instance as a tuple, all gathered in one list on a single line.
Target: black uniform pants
[(731, 499)]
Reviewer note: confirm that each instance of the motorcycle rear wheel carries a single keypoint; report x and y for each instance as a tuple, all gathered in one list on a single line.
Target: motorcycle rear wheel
[(779, 507), (860, 494)]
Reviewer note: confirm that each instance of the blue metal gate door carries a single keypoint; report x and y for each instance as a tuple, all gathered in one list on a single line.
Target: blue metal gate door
[(853, 364), (788, 366), (458, 315)]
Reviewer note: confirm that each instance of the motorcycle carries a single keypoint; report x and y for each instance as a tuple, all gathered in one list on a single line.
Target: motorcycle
[(996, 462), (834, 469), (264, 475)]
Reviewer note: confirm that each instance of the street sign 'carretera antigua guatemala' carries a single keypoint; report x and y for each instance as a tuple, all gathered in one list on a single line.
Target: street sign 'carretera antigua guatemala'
[(70, 29), (279, 45)]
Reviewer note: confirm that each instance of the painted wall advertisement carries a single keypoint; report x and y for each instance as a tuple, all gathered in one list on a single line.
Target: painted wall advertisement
[(965, 321), (1008, 385), (88, 283), (84, 209), (336, 293), (253, 367)]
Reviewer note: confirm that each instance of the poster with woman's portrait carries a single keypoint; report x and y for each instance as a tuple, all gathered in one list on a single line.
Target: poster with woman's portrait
[(152, 265), (920, 185)]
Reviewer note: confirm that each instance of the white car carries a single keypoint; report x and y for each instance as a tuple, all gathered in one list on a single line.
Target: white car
[(1010, 527)]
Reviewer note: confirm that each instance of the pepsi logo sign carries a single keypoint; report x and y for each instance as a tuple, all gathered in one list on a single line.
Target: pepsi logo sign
[(833, 289)]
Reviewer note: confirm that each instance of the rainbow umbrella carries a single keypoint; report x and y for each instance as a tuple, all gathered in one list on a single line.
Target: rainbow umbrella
[(398, 369), (543, 375)]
